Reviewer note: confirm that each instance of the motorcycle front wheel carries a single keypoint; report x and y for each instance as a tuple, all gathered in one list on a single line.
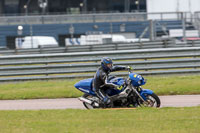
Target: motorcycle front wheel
[(152, 100)]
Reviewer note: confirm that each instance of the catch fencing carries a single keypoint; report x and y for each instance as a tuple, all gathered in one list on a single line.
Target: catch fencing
[(84, 64)]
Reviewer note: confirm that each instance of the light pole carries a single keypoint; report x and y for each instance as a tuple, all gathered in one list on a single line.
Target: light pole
[(122, 28), (126, 5), (43, 4), (85, 6), (26, 7), (31, 33), (71, 31), (81, 6), (19, 33), (137, 3)]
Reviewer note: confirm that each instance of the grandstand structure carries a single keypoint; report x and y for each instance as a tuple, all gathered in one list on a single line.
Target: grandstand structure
[(122, 19), (10, 7), (59, 26)]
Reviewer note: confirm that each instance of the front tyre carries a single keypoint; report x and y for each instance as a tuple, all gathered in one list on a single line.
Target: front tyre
[(152, 100)]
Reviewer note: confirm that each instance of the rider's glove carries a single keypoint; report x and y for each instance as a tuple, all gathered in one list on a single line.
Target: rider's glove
[(129, 68)]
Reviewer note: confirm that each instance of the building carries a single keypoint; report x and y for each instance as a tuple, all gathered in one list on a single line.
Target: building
[(19, 7), (128, 17)]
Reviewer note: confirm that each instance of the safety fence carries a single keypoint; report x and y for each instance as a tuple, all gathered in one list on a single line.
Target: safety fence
[(91, 18), (84, 64), (103, 47)]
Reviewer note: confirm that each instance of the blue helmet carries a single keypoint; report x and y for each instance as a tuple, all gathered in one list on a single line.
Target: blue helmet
[(106, 63)]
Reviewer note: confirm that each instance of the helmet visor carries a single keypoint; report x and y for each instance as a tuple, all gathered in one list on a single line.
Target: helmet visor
[(109, 65)]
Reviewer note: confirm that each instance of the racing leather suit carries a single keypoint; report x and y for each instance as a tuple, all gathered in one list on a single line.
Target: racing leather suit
[(100, 82)]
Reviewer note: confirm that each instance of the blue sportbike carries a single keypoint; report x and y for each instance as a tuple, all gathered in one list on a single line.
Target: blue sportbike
[(129, 93)]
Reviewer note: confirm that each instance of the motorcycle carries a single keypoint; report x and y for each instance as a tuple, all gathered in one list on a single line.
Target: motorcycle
[(130, 94)]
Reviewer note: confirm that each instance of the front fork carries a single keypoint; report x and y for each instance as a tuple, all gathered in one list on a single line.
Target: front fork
[(139, 95)]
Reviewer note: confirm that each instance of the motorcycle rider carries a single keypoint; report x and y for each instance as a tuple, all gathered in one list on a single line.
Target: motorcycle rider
[(101, 80)]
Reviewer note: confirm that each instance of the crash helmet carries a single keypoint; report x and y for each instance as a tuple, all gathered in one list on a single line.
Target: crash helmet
[(106, 63)]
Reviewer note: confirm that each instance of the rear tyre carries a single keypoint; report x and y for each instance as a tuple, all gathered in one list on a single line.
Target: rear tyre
[(88, 106), (152, 100)]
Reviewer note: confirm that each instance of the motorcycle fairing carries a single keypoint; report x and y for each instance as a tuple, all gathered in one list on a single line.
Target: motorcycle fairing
[(85, 86), (136, 80), (117, 81), (145, 91)]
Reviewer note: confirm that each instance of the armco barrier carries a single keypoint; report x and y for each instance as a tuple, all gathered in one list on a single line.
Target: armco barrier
[(101, 47), (84, 64)]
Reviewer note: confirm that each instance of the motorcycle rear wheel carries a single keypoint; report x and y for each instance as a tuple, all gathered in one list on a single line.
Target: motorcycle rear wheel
[(87, 105), (152, 100)]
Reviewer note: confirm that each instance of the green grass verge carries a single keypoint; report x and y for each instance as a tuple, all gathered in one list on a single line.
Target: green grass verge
[(174, 85), (161, 85), (39, 89), (140, 120)]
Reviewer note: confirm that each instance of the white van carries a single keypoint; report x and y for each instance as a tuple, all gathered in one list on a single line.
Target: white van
[(35, 42), (95, 39)]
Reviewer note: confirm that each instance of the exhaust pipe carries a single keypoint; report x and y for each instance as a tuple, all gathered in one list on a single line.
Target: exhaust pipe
[(85, 100), (88, 101)]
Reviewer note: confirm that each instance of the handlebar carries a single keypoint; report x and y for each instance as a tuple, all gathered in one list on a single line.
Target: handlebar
[(129, 69)]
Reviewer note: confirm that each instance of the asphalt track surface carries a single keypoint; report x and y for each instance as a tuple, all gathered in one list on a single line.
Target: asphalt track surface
[(74, 103)]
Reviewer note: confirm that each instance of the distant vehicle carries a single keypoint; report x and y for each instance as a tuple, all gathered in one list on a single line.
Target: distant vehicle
[(100, 39), (191, 38), (35, 42), (180, 33), (137, 40)]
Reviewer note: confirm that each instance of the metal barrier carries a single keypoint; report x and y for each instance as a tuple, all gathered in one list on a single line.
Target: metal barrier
[(89, 48), (89, 18), (102, 47), (84, 64)]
